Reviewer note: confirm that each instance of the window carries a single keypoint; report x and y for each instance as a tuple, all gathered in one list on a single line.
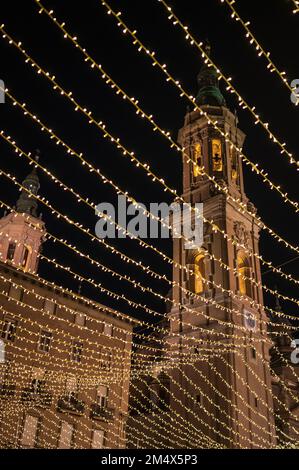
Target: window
[(249, 320), (44, 341), (105, 358), (244, 274), (29, 431), (11, 251), (108, 329), (197, 169), (199, 273), (234, 165), (9, 329), (101, 359), (15, 292), (49, 306), (26, 257), (97, 441), (76, 353), (71, 386), (255, 402), (37, 379), (198, 399), (253, 353), (80, 319), (2, 352), (66, 435), (108, 360), (217, 155), (102, 396)]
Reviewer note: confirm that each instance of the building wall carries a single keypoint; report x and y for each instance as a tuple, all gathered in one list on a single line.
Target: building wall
[(106, 340), (216, 359)]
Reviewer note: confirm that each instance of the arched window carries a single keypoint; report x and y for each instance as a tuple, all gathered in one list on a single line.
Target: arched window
[(26, 257), (199, 273), (217, 155), (244, 271), (234, 164), (197, 158), (11, 251)]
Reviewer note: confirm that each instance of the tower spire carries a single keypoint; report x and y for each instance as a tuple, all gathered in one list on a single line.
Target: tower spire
[(26, 203), (209, 92), (21, 231)]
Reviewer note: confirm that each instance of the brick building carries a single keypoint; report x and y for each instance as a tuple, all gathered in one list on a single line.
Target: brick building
[(65, 359), (212, 384)]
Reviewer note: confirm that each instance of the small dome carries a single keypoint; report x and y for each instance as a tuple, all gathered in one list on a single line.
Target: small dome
[(209, 92)]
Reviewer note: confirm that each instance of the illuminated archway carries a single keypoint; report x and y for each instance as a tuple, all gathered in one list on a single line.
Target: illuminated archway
[(11, 251), (244, 273), (197, 152), (217, 155), (199, 273)]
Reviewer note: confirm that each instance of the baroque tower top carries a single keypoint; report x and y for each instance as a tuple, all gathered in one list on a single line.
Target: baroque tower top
[(22, 231)]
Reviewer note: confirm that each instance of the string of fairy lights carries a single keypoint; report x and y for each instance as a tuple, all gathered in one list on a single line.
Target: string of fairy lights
[(164, 422), (76, 420), (113, 294), (145, 212), (53, 177), (212, 342), (57, 330), (92, 303), (152, 55), (221, 351), (146, 167), (223, 341), (143, 336), (140, 112), (89, 204), (102, 127), (260, 50), (242, 103), (147, 428), (296, 6)]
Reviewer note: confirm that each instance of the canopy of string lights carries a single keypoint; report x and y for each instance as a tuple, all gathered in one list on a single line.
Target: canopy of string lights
[(137, 339)]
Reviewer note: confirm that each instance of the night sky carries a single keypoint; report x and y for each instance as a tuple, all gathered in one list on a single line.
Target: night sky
[(274, 26)]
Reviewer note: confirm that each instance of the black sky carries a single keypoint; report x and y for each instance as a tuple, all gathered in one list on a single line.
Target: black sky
[(275, 27)]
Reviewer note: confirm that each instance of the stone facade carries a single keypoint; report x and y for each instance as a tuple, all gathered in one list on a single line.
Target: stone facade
[(65, 360), (214, 367), (65, 376)]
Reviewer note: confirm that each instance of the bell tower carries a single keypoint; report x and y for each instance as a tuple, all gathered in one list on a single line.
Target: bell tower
[(224, 389), (22, 231)]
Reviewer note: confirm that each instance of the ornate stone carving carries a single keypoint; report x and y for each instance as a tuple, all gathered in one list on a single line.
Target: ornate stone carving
[(251, 208), (214, 190), (240, 232)]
